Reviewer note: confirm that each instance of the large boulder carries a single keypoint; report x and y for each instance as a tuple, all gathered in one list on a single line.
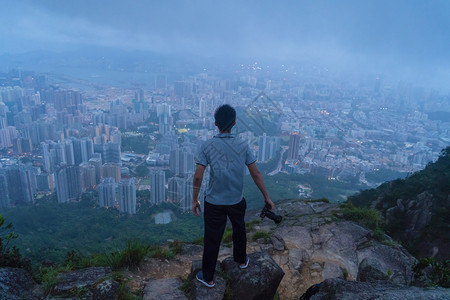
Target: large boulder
[(371, 270), (17, 284), (259, 280), (167, 288), (200, 291), (319, 245), (355, 290), (89, 283)]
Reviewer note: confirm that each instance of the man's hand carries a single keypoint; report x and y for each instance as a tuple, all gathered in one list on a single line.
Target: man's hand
[(268, 201), (195, 206)]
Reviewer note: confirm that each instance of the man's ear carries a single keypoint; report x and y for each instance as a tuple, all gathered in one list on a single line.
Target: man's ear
[(215, 123)]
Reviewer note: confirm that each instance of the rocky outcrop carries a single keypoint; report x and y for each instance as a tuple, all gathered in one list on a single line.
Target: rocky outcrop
[(259, 280), (355, 290), (199, 291), (17, 284), (164, 289), (415, 215), (89, 283), (409, 218), (318, 246), (371, 270)]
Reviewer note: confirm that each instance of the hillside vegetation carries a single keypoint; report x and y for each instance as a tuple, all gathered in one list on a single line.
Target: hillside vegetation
[(416, 208)]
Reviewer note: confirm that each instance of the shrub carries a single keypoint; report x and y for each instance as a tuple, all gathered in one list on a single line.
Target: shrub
[(10, 256), (133, 254), (432, 272)]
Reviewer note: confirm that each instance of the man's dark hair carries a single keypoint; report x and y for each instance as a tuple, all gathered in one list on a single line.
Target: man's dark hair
[(225, 116)]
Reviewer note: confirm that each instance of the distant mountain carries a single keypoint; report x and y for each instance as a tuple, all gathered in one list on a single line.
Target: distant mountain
[(416, 209)]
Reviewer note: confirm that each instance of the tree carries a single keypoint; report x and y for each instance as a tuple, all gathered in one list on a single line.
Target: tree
[(141, 171)]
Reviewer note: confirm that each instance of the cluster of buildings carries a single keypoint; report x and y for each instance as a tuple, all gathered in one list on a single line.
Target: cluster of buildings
[(53, 140)]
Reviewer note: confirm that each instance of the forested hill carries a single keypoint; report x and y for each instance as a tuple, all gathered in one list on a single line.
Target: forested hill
[(416, 209)]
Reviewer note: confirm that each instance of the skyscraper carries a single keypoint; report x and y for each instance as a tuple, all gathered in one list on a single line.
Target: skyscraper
[(88, 177), (107, 192), (268, 147), (62, 189), (181, 162), (157, 186), (294, 144), (112, 170), (126, 195), (96, 161), (4, 196), (74, 181), (180, 192), (83, 149)]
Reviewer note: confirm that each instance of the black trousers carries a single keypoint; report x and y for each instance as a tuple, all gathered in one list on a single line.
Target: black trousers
[(215, 217)]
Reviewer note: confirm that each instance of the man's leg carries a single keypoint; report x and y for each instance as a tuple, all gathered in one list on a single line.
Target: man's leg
[(236, 213), (215, 222)]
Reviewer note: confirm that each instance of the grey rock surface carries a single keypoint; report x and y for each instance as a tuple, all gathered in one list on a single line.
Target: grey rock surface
[(16, 284), (201, 292), (371, 270), (89, 283), (167, 289), (278, 242), (259, 280), (355, 290), (320, 245)]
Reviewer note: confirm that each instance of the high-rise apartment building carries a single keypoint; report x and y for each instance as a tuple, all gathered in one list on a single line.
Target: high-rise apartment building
[(268, 147), (157, 186), (112, 170), (181, 162), (62, 188), (180, 192), (107, 192), (126, 196), (294, 144), (4, 195)]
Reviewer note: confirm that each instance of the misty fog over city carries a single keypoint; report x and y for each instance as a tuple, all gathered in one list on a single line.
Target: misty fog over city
[(105, 105)]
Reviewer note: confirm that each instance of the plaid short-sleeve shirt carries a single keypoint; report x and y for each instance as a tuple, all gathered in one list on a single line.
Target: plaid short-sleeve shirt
[(227, 157)]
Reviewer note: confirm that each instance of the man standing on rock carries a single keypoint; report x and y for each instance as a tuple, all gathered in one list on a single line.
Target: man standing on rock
[(227, 157)]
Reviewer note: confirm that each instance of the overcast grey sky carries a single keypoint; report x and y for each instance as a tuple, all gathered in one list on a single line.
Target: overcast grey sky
[(412, 35)]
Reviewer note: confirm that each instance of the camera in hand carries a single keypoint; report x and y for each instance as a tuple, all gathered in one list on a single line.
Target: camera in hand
[(266, 212)]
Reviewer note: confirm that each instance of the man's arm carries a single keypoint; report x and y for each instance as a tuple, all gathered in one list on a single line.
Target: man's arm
[(198, 178), (257, 178)]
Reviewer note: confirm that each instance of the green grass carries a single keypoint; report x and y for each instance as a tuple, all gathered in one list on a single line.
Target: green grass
[(367, 217), (161, 253), (186, 286), (199, 241), (250, 226), (261, 235), (47, 278), (176, 246)]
